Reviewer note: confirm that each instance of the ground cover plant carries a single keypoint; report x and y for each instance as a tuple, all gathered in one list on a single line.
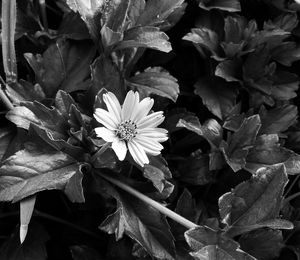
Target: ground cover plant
[(157, 129)]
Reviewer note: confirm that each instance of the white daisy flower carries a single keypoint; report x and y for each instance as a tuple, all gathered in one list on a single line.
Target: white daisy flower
[(129, 127)]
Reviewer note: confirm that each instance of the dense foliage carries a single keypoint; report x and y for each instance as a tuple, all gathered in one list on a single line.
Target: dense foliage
[(226, 75)]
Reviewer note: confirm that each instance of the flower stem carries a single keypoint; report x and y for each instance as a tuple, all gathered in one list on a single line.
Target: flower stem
[(44, 14), (162, 209)]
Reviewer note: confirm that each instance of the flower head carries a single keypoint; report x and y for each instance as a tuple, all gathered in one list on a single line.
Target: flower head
[(129, 127)]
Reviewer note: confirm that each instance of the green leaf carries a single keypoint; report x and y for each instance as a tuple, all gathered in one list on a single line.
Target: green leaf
[(211, 130), (157, 172), (155, 81), (277, 120), (33, 248), (49, 119), (142, 223), (89, 13), (146, 37), (285, 85), (206, 38), (224, 5), (68, 30), (255, 203), (194, 170), (64, 65), (218, 95), (286, 53), (236, 148), (156, 12), (208, 244), (24, 91), (6, 136), (267, 151), (230, 70), (35, 169), (264, 244), (105, 74)]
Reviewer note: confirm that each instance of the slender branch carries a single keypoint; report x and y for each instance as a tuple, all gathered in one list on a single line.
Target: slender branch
[(5, 100), (288, 199), (162, 209), (291, 185)]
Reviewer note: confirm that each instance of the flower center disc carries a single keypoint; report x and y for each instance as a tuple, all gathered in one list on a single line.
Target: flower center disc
[(126, 130)]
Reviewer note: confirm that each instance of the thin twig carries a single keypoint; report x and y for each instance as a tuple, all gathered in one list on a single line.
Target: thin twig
[(162, 209), (44, 14)]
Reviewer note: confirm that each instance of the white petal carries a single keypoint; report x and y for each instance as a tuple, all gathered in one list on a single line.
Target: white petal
[(150, 147), (152, 120), (106, 134), (158, 134), (130, 104), (137, 153), (113, 105), (105, 118), (142, 109), (120, 149)]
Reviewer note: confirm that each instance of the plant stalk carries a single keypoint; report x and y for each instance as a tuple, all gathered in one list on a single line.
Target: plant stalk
[(162, 209)]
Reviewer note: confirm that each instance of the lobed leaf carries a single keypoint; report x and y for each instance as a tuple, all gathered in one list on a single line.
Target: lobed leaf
[(255, 203), (35, 169)]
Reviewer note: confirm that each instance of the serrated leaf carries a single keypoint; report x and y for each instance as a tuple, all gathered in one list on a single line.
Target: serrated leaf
[(285, 85), (264, 244), (155, 81), (218, 95), (156, 12), (255, 202), (146, 37), (224, 5), (140, 222), (267, 151), (33, 248), (208, 244), (277, 120), (34, 169), (64, 65), (236, 148)]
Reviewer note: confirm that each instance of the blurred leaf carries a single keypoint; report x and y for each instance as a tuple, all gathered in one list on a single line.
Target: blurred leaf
[(83, 252), (264, 244), (236, 148), (285, 21), (146, 37), (208, 244), (33, 248), (267, 151), (38, 168), (255, 203), (218, 95), (286, 53), (285, 85), (225, 5), (142, 223), (230, 70), (64, 65), (67, 28), (155, 81), (277, 120)]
